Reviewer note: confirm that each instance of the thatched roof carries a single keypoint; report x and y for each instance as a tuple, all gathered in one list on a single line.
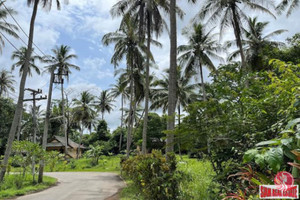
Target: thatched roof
[(62, 142)]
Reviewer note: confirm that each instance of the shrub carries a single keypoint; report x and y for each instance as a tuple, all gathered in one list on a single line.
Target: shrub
[(154, 175), (72, 164)]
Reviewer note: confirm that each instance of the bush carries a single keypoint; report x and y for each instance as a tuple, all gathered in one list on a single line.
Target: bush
[(154, 175)]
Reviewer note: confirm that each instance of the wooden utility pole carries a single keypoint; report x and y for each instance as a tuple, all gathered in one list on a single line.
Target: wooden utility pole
[(34, 119)]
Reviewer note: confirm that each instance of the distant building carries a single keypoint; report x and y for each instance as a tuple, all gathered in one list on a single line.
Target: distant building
[(57, 143)]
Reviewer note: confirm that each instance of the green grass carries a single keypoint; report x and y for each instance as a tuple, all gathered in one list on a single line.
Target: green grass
[(130, 192), (106, 164), (9, 188), (200, 180), (196, 186)]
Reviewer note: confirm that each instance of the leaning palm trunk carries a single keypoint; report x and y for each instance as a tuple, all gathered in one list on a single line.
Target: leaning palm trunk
[(130, 124), (19, 107), (122, 118), (80, 140), (64, 118), (202, 83), (172, 78), (46, 126), (19, 126), (237, 33), (145, 127)]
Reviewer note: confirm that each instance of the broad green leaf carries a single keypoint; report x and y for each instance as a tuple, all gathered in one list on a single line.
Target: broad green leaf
[(260, 160), (274, 158), (269, 142), (287, 142), (292, 123), (250, 154)]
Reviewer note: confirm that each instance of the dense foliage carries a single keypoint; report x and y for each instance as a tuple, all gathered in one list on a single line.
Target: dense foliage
[(154, 174)]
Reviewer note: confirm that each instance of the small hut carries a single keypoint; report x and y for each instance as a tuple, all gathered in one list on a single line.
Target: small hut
[(57, 143)]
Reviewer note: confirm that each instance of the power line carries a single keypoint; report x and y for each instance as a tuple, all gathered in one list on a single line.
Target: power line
[(19, 37), (9, 42), (22, 29)]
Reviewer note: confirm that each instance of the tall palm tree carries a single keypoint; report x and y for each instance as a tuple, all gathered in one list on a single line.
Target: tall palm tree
[(254, 42), (185, 94), (19, 107), (84, 112), (127, 46), (20, 56), (105, 102), (5, 27), (231, 14), (51, 69), (117, 90), (62, 60), (147, 13), (290, 5), (199, 51), (6, 82)]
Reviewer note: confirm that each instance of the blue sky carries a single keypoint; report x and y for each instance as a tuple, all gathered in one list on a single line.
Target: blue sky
[(81, 25)]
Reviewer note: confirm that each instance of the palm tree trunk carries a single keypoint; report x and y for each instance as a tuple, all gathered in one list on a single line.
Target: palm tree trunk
[(172, 77), (19, 126), (202, 83), (141, 25), (80, 140), (19, 107), (237, 33), (130, 124), (64, 117), (46, 126), (145, 126), (179, 138), (102, 115), (122, 112)]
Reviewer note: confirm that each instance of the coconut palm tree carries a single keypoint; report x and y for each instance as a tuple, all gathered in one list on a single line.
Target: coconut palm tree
[(5, 27), (19, 107), (50, 69), (255, 41), (105, 102), (185, 94), (230, 13), (84, 113), (172, 74), (290, 5), (6, 82), (62, 60), (20, 56), (127, 46), (147, 13), (117, 90), (199, 51)]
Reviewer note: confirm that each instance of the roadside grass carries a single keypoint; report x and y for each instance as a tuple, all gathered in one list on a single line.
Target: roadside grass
[(130, 192), (106, 164), (15, 185), (196, 185), (199, 182)]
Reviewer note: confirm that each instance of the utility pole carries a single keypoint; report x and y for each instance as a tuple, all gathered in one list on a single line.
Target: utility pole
[(34, 118)]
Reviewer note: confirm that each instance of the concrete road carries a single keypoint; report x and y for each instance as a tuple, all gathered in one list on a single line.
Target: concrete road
[(79, 186)]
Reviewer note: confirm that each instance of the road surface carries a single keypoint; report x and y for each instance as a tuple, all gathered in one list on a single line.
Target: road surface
[(79, 186)]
